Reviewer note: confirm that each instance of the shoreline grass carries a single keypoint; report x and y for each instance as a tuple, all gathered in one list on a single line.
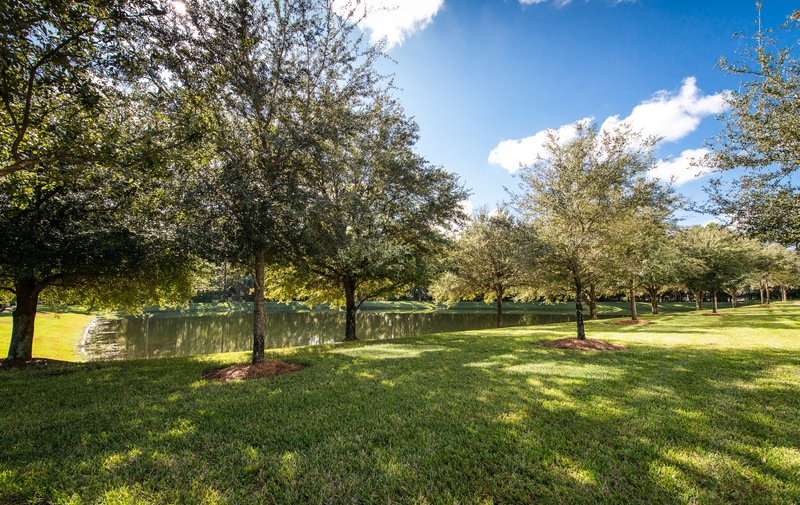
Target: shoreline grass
[(57, 334), (698, 410)]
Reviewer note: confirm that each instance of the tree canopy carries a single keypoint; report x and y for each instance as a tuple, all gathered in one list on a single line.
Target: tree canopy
[(762, 136)]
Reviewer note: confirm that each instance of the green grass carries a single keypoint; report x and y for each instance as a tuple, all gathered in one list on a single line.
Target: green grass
[(698, 410), (57, 334)]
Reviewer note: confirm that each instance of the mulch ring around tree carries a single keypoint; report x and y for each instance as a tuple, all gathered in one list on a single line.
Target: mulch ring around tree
[(631, 321), (251, 371), (33, 362), (587, 344)]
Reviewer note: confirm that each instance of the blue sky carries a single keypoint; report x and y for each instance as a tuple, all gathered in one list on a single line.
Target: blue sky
[(483, 78)]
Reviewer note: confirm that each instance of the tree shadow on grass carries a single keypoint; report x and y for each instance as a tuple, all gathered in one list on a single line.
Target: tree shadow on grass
[(459, 417)]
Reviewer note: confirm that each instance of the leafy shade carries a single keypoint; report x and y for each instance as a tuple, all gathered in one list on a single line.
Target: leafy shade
[(88, 232)]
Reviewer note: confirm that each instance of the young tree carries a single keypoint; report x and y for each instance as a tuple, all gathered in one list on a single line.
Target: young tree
[(375, 226), (760, 135), (485, 261), (279, 78), (579, 190)]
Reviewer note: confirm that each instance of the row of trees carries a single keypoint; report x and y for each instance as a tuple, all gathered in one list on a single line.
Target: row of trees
[(143, 141), (591, 223)]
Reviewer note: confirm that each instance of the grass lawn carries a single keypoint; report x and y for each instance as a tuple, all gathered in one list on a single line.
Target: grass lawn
[(56, 334), (698, 410)]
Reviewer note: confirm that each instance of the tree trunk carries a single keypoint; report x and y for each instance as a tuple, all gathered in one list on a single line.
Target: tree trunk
[(579, 310), (698, 299), (766, 291), (653, 293), (761, 292), (22, 320), (258, 307), (632, 296), (784, 294), (592, 303), (733, 294), (499, 309), (350, 311), (714, 294)]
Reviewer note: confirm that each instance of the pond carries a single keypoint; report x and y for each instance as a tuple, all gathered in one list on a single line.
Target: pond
[(142, 337)]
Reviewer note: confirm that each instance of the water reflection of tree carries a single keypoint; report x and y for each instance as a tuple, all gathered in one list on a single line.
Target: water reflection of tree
[(190, 335)]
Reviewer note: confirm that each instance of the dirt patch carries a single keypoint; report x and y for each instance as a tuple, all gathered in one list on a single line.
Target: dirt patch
[(250, 371), (588, 344), (33, 362), (712, 314), (630, 321)]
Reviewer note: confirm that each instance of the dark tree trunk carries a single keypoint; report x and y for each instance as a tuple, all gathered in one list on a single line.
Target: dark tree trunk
[(653, 294), (766, 291), (350, 311), (632, 296), (592, 303), (579, 310), (500, 310), (698, 299), (714, 294), (258, 307), (22, 320)]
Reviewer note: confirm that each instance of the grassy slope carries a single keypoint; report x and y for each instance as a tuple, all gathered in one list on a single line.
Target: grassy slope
[(57, 335), (698, 410)]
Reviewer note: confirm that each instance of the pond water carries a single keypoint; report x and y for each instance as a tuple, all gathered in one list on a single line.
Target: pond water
[(142, 337)]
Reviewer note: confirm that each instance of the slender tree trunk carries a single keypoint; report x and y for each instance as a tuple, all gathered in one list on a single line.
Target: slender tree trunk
[(592, 302), (22, 320), (733, 294), (766, 291), (579, 310), (632, 296), (350, 311), (761, 291), (784, 294), (698, 299), (499, 309), (653, 300), (258, 307), (714, 294)]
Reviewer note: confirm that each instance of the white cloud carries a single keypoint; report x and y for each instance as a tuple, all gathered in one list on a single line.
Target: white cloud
[(393, 20), (672, 116), (512, 154), (682, 169)]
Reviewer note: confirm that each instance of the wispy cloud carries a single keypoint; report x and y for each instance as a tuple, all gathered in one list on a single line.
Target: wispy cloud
[(667, 115), (682, 169), (393, 20)]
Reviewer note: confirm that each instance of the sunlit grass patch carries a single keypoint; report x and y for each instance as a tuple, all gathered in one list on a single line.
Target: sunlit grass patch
[(697, 410)]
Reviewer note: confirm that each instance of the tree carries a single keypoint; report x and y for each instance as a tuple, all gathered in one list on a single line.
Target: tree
[(88, 162), (581, 188), (721, 257), (761, 136), (280, 79), (376, 224), (67, 73), (640, 252), (485, 261)]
